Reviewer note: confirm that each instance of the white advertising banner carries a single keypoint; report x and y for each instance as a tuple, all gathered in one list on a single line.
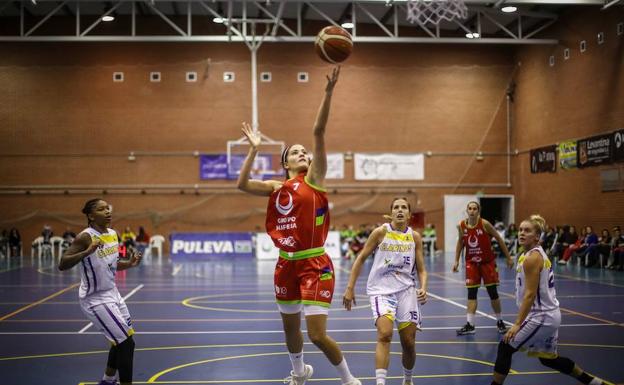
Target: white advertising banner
[(389, 166), (265, 249), (335, 166)]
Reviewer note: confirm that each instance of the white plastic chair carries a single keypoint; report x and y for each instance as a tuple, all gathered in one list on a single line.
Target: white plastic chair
[(36, 245), (58, 242), (156, 242)]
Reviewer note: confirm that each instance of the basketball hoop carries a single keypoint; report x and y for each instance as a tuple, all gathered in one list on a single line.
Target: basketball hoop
[(268, 160), (434, 11)]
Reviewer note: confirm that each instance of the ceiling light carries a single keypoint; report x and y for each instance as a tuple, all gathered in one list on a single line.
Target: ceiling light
[(469, 35), (476, 35), (347, 25), (509, 9), (218, 20), (108, 18)]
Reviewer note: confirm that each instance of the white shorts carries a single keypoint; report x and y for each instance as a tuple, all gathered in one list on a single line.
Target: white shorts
[(298, 307), (112, 318), (401, 307), (538, 335)]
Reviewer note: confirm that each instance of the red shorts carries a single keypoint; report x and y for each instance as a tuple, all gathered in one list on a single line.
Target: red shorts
[(475, 272), (308, 281)]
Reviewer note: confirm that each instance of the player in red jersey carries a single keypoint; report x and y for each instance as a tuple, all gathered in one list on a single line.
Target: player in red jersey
[(298, 221), (474, 235)]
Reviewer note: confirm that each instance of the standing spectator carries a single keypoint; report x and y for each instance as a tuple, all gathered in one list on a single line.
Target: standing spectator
[(15, 242), (617, 249), (142, 240), (511, 237), (128, 237), (429, 237)]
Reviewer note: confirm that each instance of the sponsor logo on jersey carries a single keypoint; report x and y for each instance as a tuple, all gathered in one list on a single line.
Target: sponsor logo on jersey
[(280, 290), (288, 241), (325, 293), (284, 209), (473, 243)]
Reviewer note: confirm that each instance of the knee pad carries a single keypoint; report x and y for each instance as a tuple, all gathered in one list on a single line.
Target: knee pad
[(503, 358), (492, 291), (561, 364), (472, 292), (125, 358)]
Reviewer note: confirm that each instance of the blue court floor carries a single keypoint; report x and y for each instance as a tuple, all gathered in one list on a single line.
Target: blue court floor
[(216, 323)]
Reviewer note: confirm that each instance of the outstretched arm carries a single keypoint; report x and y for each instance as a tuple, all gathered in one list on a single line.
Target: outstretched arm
[(253, 186), (371, 244), (318, 168)]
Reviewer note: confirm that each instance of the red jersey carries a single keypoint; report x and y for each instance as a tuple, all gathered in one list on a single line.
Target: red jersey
[(298, 215), (477, 243)]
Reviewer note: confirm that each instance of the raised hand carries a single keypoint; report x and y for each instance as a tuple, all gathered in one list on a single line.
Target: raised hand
[(253, 137), (331, 81)]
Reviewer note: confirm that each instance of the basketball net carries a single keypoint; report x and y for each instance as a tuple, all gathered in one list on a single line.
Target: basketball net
[(434, 11)]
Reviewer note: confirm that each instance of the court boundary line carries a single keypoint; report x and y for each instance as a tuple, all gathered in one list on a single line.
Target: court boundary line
[(38, 302)]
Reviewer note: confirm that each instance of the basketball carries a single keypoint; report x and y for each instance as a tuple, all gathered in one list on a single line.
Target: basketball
[(333, 44)]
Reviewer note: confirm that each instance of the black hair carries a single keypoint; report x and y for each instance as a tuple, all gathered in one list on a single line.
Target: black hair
[(409, 207), (89, 207)]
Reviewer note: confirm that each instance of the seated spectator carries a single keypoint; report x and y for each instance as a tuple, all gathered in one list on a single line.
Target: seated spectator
[(15, 242), (68, 238), (142, 240), (568, 238), (549, 239), (128, 237), (4, 242), (602, 247), (617, 250), (47, 235), (579, 248), (346, 237), (511, 237)]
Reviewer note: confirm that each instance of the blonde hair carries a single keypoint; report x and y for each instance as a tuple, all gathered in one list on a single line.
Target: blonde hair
[(538, 222)]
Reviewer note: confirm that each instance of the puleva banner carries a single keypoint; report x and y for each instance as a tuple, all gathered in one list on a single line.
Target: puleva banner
[(202, 245)]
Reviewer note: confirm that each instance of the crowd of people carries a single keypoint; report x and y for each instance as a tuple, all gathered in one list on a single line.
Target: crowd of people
[(11, 240), (352, 240)]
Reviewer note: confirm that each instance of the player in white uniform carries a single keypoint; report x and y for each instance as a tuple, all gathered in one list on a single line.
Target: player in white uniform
[(392, 287), (96, 249), (537, 325)]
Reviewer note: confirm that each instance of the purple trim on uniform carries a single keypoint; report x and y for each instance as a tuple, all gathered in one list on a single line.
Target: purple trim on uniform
[(377, 306), (84, 267), (530, 335), (104, 325), (393, 229), (115, 319), (92, 271)]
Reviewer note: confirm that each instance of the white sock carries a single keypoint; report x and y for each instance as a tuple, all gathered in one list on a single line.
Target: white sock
[(407, 374), (108, 378), (297, 363), (595, 381), (380, 375), (344, 372), (471, 318), (499, 316)]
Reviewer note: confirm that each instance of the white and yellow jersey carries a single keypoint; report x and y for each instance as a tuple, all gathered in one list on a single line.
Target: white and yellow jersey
[(394, 263), (546, 299), (97, 270)]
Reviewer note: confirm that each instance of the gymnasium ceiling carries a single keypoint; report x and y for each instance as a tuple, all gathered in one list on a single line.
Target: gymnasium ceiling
[(380, 21)]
